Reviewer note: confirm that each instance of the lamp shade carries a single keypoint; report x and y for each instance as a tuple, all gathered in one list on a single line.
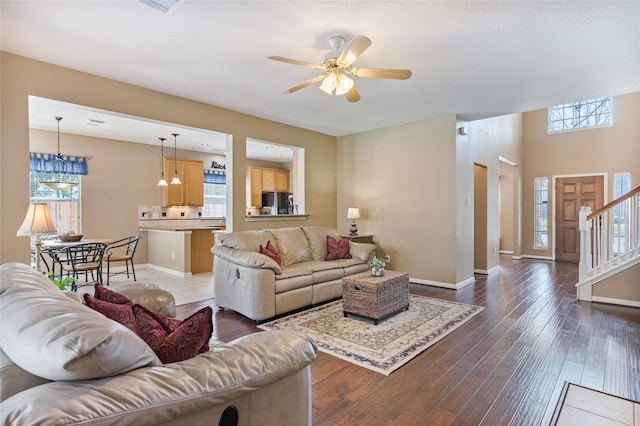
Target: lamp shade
[(37, 221), (353, 213)]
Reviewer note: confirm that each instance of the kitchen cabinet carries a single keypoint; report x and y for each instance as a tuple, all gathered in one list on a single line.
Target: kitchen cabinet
[(275, 180), (191, 191), (261, 179), (254, 187)]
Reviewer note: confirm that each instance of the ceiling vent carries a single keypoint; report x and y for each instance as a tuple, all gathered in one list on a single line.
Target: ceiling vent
[(166, 6)]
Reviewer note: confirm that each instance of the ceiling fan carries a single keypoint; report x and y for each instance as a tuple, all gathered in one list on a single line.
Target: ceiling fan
[(337, 65)]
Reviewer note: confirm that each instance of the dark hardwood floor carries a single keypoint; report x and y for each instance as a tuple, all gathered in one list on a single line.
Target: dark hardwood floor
[(507, 365)]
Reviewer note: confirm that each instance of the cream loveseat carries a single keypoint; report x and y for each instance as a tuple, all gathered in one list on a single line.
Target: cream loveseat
[(64, 363), (254, 285)]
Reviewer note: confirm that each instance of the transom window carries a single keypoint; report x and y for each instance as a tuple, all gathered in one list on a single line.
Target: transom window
[(579, 115)]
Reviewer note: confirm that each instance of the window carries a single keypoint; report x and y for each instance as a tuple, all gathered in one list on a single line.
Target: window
[(541, 202), (578, 115), (215, 194), (63, 205), (621, 185)]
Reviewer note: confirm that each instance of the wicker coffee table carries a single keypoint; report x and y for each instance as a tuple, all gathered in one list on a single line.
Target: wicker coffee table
[(375, 298)]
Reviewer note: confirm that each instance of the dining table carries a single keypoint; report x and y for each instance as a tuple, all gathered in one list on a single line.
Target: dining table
[(52, 251)]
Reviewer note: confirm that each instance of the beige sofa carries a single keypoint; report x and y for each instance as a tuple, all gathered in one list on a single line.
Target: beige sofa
[(63, 363), (254, 285)]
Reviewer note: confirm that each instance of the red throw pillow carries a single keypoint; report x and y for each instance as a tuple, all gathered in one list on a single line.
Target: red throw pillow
[(337, 249), (184, 342), (103, 293), (271, 251), (116, 312)]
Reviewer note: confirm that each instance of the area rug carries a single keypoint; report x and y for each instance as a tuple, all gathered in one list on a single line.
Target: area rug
[(387, 346)]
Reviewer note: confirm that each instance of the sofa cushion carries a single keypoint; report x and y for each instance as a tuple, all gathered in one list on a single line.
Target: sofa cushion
[(15, 379), (174, 345), (337, 249), (271, 251), (57, 338), (361, 251), (245, 240), (292, 245), (317, 239)]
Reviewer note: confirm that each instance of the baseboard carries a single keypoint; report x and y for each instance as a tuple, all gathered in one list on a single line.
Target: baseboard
[(486, 272), (612, 301), (532, 256), (505, 251), (169, 271), (457, 286)]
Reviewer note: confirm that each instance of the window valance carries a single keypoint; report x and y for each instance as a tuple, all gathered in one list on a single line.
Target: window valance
[(43, 163), (215, 176)]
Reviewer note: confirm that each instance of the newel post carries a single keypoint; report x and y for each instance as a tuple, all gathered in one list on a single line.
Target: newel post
[(584, 288)]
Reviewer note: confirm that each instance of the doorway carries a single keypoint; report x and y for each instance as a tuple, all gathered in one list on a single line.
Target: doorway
[(480, 244), (571, 194)]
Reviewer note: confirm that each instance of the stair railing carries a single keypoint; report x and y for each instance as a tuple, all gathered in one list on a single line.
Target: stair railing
[(609, 239)]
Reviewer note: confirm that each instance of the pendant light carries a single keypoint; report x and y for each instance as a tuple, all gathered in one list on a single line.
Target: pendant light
[(176, 179), (62, 176), (162, 182)]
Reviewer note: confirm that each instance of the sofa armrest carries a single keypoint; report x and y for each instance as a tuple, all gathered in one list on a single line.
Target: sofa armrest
[(154, 395), (246, 258)]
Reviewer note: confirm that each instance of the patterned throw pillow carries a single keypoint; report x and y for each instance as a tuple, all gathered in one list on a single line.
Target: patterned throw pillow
[(103, 293), (118, 308), (184, 342), (120, 313), (337, 249), (271, 251)]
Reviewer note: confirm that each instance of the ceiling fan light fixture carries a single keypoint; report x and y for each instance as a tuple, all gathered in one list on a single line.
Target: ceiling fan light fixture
[(344, 85), (329, 83)]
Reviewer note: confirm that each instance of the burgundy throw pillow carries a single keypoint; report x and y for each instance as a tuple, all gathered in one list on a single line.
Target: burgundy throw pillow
[(337, 249), (184, 342), (103, 293), (271, 251), (116, 312)]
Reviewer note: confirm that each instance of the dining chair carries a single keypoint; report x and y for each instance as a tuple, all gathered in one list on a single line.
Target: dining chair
[(85, 257), (122, 250)]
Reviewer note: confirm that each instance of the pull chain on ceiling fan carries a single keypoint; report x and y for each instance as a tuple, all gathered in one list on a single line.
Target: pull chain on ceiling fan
[(337, 66)]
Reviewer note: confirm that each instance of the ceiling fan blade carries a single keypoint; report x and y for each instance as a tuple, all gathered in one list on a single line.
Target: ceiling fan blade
[(352, 95), (305, 84), (354, 49), (295, 62), (381, 73)]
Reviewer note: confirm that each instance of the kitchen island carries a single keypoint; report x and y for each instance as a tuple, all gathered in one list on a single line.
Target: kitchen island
[(181, 246)]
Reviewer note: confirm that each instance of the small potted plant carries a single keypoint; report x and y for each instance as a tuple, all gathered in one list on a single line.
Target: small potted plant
[(60, 282), (377, 267)]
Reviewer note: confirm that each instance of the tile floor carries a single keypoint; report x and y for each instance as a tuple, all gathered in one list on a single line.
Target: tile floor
[(585, 407), (184, 289)]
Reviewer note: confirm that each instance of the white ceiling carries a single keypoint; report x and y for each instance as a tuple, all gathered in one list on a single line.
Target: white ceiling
[(472, 58)]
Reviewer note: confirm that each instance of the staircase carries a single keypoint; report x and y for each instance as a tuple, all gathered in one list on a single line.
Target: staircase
[(609, 241)]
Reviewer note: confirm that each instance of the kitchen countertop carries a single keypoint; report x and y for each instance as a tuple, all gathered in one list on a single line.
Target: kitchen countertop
[(181, 224)]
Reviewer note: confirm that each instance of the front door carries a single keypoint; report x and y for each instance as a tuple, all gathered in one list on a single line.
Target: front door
[(571, 194)]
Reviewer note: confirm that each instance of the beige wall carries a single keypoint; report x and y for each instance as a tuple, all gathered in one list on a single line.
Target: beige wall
[(414, 186), (507, 214), (22, 77), (622, 286), (606, 150)]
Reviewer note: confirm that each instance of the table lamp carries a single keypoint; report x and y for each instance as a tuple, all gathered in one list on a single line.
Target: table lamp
[(353, 213), (37, 222)]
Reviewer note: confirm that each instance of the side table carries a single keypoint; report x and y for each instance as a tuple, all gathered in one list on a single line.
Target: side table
[(359, 238), (375, 297)]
